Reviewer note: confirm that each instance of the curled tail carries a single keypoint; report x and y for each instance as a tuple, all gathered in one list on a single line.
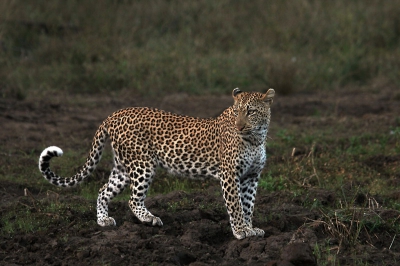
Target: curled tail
[(91, 162)]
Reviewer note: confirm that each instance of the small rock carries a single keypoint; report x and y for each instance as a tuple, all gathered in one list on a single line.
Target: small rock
[(82, 254), (299, 254)]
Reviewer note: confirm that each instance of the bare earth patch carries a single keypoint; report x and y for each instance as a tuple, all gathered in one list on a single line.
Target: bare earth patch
[(196, 229)]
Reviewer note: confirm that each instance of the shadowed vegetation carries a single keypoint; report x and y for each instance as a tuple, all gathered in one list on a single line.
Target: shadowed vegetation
[(196, 46)]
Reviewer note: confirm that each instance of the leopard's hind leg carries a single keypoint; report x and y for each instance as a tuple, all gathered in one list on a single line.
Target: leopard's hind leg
[(117, 182)]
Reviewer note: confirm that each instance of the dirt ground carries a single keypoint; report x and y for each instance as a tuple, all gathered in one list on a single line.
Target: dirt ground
[(190, 235)]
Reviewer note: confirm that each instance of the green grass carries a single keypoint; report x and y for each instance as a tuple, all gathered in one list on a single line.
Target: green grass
[(149, 47), (349, 225), (355, 166), (272, 183), (32, 215), (329, 159), (41, 205)]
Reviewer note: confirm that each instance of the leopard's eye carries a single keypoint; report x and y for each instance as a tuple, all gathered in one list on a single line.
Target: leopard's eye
[(251, 111)]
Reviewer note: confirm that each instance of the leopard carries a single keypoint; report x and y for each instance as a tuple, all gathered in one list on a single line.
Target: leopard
[(230, 148)]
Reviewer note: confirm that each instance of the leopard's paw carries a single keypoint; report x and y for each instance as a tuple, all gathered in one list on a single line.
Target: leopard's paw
[(106, 221), (258, 231), (152, 220), (243, 233)]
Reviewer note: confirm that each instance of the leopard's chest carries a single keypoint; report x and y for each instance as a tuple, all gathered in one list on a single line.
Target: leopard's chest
[(252, 160)]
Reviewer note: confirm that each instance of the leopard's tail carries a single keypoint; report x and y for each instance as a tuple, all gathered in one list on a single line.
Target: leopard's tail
[(91, 162)]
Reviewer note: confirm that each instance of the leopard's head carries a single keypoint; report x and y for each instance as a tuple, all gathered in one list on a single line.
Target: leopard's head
[(252, 110)]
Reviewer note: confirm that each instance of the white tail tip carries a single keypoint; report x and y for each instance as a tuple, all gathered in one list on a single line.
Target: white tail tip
[(53, 150)]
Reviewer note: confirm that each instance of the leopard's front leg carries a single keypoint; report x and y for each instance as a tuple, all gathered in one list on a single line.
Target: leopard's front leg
[(231, 192), (248, 189)]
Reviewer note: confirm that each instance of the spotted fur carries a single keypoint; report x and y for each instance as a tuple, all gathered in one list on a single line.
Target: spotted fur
[(230, 148)]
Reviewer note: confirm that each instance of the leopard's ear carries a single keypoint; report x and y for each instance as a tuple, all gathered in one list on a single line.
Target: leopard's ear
[(236, 92), (268, 97)]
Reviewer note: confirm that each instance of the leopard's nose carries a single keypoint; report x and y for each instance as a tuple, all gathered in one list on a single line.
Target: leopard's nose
[(240, 127)]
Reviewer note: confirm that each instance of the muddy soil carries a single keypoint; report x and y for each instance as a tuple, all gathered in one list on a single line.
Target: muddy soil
[(193, 233)]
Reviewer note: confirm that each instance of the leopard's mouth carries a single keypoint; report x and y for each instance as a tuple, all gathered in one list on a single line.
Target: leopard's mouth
[(245, 131), (251, 131)]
